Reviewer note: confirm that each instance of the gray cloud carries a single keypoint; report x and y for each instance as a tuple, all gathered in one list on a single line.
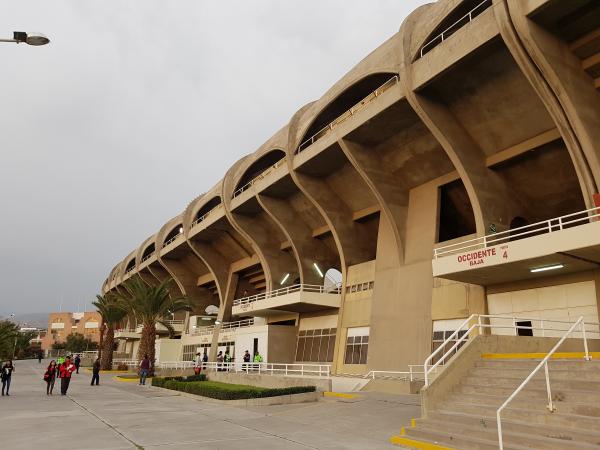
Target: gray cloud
[(137, 107)]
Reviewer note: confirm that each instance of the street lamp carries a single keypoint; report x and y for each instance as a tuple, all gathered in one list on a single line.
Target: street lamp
[(33, 38)]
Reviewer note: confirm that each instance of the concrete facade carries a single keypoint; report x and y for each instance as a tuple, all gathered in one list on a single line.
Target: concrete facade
[(429, 141)]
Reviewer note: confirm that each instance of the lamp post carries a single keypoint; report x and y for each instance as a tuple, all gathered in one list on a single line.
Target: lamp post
[(35, 39)]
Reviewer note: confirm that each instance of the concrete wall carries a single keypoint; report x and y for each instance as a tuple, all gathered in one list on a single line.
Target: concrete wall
[(270, 381)]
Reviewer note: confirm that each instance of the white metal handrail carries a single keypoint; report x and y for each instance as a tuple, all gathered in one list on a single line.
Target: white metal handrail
[(287, 290), (130, 269), (415, 372), (456, 341), (543, 227), (174, 322), (265, 368), (543, 363), (263, 174), (347, 114), (173, 239), (205, 215), (224, 326), (455, 26)]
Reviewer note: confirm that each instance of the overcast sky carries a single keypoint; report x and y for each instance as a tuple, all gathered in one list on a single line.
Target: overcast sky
[(135, 108)]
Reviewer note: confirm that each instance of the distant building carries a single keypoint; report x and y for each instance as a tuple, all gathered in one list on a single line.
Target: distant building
[(62, 324)]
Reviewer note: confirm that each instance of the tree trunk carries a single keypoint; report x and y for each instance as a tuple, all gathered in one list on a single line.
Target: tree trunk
[(101, 339), (107, 353), (147, 344)]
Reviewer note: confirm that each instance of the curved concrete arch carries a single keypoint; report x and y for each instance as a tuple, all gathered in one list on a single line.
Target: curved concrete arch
[(556, 75), (143, 272), (384, 59), (261, 243), (490, 198)]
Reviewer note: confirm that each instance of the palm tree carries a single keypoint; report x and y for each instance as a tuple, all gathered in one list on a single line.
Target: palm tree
[(150, 305), (8, 333), (112, 311)]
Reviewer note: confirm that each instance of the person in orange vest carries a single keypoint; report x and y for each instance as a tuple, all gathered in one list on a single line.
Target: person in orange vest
[(65, 369)]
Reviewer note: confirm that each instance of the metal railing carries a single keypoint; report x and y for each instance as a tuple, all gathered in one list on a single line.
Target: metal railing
[(430, 45), (130, 269), (173, 239), (126, 362), (456, 340), (175, 365), (543, 363), (347, 114), (205, 215), (174, 321), (534, 229), (263, 368), (415, 372), (148, 256), (224, 326), (263, 174), (287, 290)]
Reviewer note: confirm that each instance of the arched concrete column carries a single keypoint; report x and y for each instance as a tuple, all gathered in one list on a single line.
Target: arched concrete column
[(490, 198), (264, 234), (556, 75), (271, 265), (307, 249), (392, 200)]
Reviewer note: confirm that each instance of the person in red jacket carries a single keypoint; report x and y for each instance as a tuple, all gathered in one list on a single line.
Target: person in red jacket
[(65, 369)]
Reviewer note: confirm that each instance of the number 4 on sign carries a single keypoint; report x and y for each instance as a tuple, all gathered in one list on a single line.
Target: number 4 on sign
[(505, 254)]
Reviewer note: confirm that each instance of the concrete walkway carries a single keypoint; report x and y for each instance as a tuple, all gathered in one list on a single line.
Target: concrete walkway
[(118, 415)]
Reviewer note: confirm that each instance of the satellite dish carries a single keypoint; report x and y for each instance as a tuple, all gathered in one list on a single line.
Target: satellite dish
[(212, 310)]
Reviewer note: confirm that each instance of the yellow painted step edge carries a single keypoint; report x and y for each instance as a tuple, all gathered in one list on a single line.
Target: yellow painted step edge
[(557, 355), (338, 394), (129, 380), (412, 443)]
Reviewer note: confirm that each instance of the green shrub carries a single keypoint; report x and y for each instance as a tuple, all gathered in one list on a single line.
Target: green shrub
[(224, 391)]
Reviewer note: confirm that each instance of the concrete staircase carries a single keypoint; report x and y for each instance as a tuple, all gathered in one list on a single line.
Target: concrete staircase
[(466, 419)]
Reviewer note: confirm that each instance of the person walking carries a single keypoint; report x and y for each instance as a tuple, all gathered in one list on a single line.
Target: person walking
[(59, 362), (198, 363), (50, 377), (39, 357), (257, 359), (204, 359), (7, 369), (220, 361), (66, 369), (246, 360), (228, 360), (77, 362), (96, 372), (144, 370)]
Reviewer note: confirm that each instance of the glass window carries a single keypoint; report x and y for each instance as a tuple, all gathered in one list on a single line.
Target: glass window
[(357, 345), (316, 345)]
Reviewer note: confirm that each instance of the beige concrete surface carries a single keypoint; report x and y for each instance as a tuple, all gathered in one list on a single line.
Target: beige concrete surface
[(118, 415)]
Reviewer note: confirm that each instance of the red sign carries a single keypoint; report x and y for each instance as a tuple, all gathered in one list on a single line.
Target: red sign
[(478, 257)]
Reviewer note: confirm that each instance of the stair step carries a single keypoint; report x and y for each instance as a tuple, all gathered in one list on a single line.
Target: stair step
[(499, 395), (534, 413), (528, 437), (461, 441), (574, 364), (535, 383), (522, 373)]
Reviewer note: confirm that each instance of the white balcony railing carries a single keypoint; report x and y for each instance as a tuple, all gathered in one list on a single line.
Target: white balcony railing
[(224, 326), (148, 256), (204, 216), (173, 239), (287, 290), (543, 227), (429, 45), (349, 113), (263, 174)]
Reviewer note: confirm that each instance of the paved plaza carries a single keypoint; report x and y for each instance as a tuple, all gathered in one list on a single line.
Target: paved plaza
[(123, 415)]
